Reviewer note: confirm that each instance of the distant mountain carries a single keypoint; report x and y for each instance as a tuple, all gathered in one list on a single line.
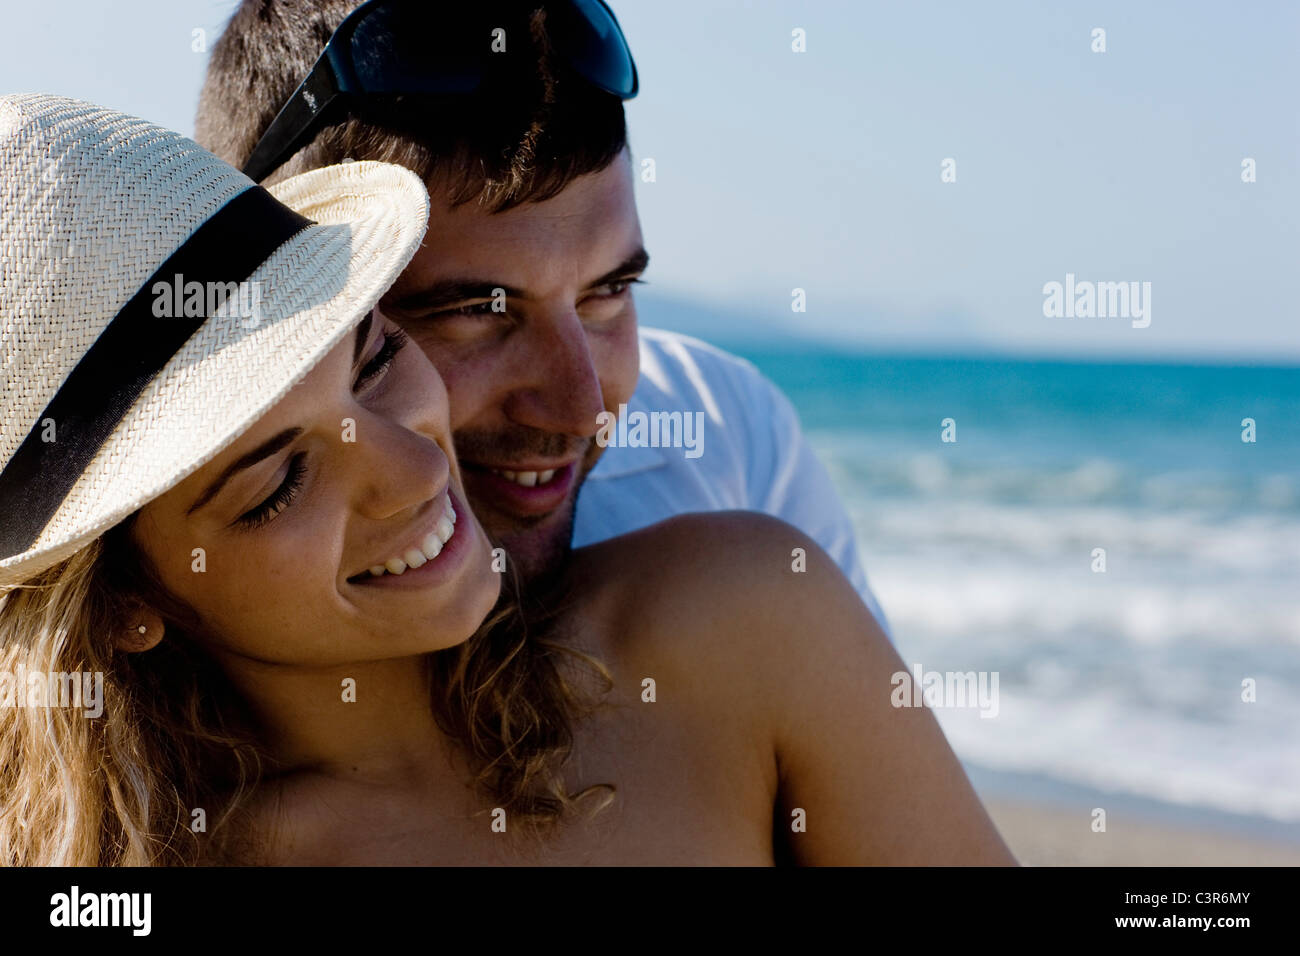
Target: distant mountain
[(952, 332), (844, 326), (720, 326)]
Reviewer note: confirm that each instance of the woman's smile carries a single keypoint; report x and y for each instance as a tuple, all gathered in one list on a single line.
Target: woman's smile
[(440, 552)]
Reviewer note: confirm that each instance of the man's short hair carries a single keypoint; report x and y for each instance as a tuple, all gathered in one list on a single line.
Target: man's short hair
[(522, 139)]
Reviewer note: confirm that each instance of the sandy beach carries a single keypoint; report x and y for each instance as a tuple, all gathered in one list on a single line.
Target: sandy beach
[(1046, 835)]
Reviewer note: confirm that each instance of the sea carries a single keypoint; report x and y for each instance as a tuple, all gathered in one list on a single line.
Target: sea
[(1172, 676)]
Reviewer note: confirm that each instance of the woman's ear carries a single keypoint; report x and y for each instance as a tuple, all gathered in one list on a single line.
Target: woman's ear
[(144, 632)]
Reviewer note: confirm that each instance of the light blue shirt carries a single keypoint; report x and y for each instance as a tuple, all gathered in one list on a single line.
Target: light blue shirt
[(753, 456)]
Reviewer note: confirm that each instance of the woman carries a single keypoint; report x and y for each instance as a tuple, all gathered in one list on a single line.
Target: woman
[(253, 528)]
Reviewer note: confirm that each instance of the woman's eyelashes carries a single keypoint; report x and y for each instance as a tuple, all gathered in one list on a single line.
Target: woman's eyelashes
[(280, 498), (394, 341)]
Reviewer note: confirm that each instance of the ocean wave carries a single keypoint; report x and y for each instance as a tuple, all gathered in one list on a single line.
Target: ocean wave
[(1127, 680), (996, 602), (1193, 546), (880, 469), (1249, 766), (982, 551)]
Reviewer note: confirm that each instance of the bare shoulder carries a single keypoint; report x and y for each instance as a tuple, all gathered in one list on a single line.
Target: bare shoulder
[(706, 555), (741, 558), (760, 624), (732, 596)]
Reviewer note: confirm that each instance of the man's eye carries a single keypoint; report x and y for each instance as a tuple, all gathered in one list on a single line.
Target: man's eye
[(475, 310), (617, 287), (607, 301)]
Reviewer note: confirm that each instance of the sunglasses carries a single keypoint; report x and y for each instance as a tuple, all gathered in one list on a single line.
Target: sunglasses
[(389, 48)]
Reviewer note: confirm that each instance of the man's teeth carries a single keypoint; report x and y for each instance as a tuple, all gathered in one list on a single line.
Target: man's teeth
[(528, 479), (429, 548)]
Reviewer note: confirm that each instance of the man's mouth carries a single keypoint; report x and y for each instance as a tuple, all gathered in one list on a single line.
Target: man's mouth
[(523, 492), (529, 479)]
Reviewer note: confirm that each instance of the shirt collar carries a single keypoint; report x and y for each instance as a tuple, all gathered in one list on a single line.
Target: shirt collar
[(618, 461)]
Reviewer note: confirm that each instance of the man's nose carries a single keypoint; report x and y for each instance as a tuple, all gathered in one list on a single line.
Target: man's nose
[(563, 392)]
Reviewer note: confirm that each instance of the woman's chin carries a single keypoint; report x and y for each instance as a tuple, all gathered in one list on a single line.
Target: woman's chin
[(446, 606), (462, 613), (458, 620)]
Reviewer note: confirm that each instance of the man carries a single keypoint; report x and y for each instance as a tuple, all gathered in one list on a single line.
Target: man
[(521, 295)]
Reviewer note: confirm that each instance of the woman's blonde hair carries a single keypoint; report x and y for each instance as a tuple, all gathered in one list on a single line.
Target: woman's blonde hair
[(174, 737)]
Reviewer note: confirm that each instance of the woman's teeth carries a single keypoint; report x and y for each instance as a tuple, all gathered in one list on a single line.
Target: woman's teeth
[(429, 548), (528, 479)]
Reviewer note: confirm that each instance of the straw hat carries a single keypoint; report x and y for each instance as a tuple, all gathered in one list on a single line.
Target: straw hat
[(107, 397)]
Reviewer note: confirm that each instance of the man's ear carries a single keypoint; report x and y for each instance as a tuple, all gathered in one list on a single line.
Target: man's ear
[(143, 633)]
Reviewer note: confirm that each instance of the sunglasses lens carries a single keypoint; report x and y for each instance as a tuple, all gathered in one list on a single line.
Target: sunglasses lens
[(597, 48), (403, 49)]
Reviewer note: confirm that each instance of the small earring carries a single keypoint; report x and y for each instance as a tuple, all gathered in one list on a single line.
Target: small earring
[(142, 628)]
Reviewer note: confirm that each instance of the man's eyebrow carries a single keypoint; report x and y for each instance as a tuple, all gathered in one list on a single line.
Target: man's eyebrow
[(447, 292), (363, 333), (264, 450), (633, 265)]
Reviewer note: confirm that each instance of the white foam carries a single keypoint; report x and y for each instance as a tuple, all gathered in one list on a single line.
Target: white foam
[(1128, 680)]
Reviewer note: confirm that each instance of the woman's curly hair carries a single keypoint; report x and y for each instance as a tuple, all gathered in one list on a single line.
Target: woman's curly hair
[(175, 738)]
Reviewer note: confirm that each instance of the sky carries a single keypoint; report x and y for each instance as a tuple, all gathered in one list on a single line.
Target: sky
[(820, 170)]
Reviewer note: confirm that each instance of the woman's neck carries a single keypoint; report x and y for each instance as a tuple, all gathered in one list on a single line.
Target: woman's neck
[(370, 721)]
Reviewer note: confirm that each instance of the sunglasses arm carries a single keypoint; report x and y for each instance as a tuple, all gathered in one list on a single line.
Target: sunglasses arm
[(305, 113)]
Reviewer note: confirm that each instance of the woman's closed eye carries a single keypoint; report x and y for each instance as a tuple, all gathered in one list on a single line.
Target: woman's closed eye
[(278, 499), (394, 340)]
